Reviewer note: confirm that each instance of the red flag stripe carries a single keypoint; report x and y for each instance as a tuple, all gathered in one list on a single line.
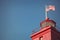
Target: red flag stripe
[(50, 7)]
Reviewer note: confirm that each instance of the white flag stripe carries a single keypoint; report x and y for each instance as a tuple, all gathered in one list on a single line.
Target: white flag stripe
[(50, 7)]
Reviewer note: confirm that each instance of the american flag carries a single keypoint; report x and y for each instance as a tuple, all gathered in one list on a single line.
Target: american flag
[(50, 7)]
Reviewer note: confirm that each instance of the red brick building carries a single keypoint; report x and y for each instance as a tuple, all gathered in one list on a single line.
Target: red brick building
[(48, 31)]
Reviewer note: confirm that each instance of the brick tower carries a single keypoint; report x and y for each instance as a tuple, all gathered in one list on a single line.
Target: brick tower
[(48, 31)]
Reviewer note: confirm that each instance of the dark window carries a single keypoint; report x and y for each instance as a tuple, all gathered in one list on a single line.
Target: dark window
[(41, 38)]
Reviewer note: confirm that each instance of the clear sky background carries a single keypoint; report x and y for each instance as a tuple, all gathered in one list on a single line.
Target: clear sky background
[(18, 18)]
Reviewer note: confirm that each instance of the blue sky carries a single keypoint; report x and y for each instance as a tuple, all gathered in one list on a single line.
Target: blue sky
[(18, 18)]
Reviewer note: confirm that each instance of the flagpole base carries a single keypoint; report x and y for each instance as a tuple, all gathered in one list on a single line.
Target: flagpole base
[(47, 18)]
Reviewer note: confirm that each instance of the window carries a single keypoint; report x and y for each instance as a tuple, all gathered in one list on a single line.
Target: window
[(41, 38)]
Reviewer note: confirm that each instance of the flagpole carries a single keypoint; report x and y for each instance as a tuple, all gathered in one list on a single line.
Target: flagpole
[(46, 16), (48, 8)]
